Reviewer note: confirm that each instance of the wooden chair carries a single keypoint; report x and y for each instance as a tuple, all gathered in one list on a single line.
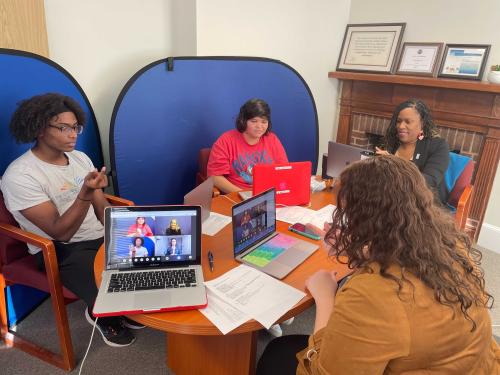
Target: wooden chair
[(202, 175), (17, 266), (460, 197)]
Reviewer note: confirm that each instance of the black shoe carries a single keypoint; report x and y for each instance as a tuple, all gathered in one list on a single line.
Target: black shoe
[(112, 330), (129, 323)]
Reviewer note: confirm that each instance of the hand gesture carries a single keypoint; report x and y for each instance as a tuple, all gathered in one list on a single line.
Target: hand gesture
[(380, 151), (96, 179), (322, 286)]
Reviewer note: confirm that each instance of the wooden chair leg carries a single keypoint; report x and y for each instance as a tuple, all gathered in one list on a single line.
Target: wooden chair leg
[(65, 360)]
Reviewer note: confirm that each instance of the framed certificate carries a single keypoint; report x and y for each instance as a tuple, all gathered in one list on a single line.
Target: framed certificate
[(465, 61), (370, 47), (419, 59)]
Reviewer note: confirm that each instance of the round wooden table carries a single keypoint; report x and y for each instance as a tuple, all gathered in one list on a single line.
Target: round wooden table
[(194, 344)]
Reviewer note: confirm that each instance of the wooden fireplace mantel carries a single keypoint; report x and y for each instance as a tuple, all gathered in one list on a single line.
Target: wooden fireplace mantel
[(468, 113)]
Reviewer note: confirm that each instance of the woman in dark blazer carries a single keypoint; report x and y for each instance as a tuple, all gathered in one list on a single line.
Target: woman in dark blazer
[(412, 135)]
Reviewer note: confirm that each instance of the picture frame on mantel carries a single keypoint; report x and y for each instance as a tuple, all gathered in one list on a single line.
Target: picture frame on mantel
[(420, 59), (464, 61), (370, 47)]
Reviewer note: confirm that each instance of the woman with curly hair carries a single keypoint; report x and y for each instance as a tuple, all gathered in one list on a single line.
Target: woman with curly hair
[(416, 302), (412, 135)]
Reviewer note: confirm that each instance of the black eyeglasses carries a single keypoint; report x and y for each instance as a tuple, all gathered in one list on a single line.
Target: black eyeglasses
[(66, 129)]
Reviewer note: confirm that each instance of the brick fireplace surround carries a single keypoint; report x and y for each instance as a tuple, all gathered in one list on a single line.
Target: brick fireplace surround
[(466, 112)]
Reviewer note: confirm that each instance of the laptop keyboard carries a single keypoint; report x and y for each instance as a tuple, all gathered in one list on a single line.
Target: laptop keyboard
[(165, 279)]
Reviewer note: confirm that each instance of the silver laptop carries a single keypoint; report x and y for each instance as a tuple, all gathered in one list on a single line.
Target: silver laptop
[(201, 195), (154, 273), (256, 242), (340, 156)]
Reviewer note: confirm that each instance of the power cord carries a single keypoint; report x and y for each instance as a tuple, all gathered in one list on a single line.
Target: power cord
[(88, 347), (225, 196)]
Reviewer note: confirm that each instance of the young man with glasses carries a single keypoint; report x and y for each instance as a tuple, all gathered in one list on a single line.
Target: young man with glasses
[(55, 191)]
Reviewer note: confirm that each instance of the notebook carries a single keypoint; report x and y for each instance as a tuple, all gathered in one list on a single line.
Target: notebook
[(201, 195), (291, 181), (340, 156), (256, 242), (154, 273)]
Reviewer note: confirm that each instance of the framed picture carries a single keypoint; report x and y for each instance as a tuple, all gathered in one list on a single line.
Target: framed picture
[(420, 59), (370, 47), (465, 61)]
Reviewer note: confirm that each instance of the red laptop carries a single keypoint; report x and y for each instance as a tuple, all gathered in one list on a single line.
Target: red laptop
[(292, 181)]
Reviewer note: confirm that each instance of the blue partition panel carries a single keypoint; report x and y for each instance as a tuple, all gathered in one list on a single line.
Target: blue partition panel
[(23, 75), (172, 108)]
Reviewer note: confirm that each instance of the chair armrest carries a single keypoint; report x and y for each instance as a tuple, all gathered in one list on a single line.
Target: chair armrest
[(463, 207), (25, 236), (117, 201), (48, 249)]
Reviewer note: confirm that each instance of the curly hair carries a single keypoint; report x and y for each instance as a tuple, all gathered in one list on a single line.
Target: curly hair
[(253, 108), (34, 114), (386, 214), (428, 127), (138, 238)]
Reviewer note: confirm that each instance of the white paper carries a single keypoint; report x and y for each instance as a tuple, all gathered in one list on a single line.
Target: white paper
[(298, 214), (214, 223), (294, 214), (222, 315), (322, 216), (256, 294)]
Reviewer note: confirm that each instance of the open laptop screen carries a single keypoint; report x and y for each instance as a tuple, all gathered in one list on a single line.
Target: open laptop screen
[(253, 220), (152, 235)]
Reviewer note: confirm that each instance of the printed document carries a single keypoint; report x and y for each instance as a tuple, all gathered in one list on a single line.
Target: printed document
[(256, 294), (214, 223)]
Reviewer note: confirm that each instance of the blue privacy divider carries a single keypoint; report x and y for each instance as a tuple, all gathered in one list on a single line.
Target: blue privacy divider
[(23, 75), (173, 107)]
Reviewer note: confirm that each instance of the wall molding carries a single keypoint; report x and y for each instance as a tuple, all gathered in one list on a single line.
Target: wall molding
[(489, 237)]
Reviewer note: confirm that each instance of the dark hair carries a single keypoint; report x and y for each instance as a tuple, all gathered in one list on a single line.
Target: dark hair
[(140, 217), (34, 114), (428, 127), (253, 108), (386, 214), (138, 238)]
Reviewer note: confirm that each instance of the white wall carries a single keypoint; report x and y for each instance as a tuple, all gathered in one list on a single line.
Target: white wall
[(447, 21), (306, 35), (103, 43)]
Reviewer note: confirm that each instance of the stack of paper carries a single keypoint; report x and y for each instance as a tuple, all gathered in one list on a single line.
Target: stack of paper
[(245, 293)]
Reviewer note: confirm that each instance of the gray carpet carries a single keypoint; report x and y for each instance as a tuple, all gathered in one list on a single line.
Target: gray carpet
[(147, 354)]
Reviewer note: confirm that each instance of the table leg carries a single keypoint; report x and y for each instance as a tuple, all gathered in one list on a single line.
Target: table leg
[(229, 354)]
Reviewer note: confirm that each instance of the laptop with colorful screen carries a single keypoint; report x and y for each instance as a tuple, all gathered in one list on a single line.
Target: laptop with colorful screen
[(256, 242)]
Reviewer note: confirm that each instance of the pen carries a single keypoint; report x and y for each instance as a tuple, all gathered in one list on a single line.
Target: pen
[(211, 261)]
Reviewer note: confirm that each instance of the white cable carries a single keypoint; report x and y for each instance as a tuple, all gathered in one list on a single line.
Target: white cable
[(225, 196), (88, 347)]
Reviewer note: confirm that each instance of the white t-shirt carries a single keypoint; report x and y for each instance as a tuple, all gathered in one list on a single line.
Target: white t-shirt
[(29, 181)]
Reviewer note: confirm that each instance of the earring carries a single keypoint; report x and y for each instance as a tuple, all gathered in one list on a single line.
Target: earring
[(421, 136)]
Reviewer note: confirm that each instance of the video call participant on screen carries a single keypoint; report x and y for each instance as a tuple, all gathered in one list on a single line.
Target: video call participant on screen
[(55, 191), (140, 228), (236, 151), (412, 135), (173, 248), (137, 249), (416, 302), (173, 228)]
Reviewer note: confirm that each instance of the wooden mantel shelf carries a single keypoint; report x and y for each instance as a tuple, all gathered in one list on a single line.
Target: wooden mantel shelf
[(418, 81)]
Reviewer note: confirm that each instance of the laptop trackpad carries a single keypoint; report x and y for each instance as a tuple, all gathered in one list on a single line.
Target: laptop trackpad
[(292, 257), (152, 300)]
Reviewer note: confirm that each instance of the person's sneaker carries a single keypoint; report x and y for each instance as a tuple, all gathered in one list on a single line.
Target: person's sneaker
[(112, 330), (129, 323), (275, 330), (289, 321)]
